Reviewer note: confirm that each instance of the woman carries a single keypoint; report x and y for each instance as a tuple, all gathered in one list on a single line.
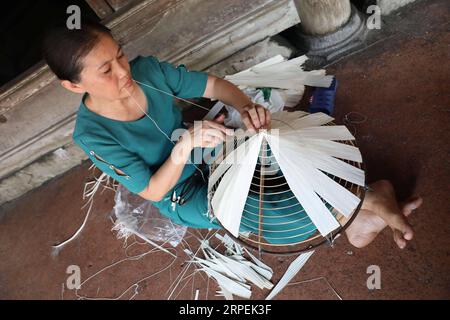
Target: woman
[(126, 119)]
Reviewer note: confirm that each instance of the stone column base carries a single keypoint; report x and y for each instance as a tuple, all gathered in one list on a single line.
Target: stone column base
[(325, 48)]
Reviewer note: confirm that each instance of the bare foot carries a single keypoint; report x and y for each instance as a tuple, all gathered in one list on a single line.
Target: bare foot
[(380, 209)]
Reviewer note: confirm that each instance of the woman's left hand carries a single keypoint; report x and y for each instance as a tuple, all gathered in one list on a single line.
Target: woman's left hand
[(255, 116)]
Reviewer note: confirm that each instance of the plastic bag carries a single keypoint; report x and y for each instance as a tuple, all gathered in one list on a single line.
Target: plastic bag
[(135, 215)]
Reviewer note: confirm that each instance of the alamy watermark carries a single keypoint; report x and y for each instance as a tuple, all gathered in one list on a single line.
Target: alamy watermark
[(74, 20), (73, 281), (374, 280), (233, 150), (374, 20)]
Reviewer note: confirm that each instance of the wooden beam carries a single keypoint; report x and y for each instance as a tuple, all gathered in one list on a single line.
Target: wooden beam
[(118, 4), (101, 7)]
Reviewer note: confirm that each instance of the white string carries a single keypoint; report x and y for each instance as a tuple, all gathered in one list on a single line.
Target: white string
[(173, 96), (316, 279), (157, 126), (353, 118), (155, 123), (131, 258), (87, 193), (173, 287)]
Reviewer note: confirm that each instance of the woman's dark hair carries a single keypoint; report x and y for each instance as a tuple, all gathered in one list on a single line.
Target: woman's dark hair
[(64, 49)]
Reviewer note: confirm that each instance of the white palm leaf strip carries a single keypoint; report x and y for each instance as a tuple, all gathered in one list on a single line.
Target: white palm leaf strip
[(229, 159), (221, 204), (282, 65), (229, 199), (311, 159), (324, 161), (242, 270), (293, 124), (232, 286), (262, 269), (238, 250), (328, 164), (276, 59), (214, 264), (325, 133), (332, 148), (311, 120), (271, 61), (266, 274), (298, 180), (284, 81), (292, 270), (332, 192), (283, 75), (288, 115), (289, 124), (232, 272), (275, 64), (209, 254), (282, 119), (335, 149), (289, 68), (89, 191), (224, 293)]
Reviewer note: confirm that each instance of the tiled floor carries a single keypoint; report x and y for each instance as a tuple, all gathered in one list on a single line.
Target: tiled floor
[(400, 85)]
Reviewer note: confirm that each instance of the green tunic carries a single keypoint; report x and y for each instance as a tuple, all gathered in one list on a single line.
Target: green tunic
[(138, 149)]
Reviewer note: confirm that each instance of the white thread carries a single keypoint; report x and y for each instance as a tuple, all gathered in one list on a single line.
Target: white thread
[(137, 103), (353, 118), (87, 193), (315, 279), (173, 96), (142, 109)]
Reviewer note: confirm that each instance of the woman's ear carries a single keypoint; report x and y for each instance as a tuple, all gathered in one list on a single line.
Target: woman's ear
[(72, 86)]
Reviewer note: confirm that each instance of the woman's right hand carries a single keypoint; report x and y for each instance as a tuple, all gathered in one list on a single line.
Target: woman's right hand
[(206, 133)]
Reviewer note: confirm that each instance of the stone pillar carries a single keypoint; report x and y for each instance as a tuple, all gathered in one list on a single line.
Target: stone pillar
[(319, 17), (328, 28)]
